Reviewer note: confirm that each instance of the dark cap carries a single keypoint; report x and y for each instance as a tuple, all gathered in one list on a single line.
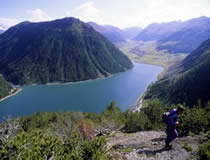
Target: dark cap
[(181, 108)]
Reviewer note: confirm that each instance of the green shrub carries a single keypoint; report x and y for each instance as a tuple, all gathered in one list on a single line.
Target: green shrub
[(137, 121), (187, 147), (112, 114), (34, 145), (40, 145), (193, 120), (154, 112), (94, 149), (204, 151)]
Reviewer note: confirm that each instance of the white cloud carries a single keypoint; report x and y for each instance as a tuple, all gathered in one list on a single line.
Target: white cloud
[(170, 10), (87, 12), (5, 23), (37, 15), (151, 11), (137, 13)]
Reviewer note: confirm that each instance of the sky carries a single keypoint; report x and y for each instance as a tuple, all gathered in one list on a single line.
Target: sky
[(120, 13)]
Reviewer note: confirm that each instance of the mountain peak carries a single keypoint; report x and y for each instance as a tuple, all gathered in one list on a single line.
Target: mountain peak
[(62, 50)]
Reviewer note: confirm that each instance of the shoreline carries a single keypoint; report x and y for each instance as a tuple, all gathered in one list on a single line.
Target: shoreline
[(82, 81), (13, 94), (138, 105), (66, 83)]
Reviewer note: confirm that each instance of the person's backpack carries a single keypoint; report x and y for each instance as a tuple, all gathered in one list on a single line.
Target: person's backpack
[(165, 116)]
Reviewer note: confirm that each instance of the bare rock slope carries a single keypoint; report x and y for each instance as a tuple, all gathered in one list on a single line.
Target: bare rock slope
[(149, 145)]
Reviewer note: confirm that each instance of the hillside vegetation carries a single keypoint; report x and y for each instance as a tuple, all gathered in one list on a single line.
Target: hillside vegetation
[(5, 88), (63, 50), (186, 82), (76, 135)]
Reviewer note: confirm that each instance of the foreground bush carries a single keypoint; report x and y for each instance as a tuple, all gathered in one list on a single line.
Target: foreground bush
[(150, 118), (40, 146), (154, 113), (194, 120), (113, 116), (136, 122), (204, 151), (71, 135)]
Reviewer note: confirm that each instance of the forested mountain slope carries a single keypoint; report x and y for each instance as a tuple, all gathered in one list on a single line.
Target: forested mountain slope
[(5, 88), (187, 82), (62, 50)]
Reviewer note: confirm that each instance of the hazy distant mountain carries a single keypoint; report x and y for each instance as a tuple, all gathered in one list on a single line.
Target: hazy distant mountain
[(188, 81), (115, 34), (178, 37), (112, 33), (1, 31), (190, 36), (158, 31), (131, 32), (61, 50)]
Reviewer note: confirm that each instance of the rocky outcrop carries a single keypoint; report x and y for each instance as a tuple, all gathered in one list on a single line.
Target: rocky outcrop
[(150, 145)]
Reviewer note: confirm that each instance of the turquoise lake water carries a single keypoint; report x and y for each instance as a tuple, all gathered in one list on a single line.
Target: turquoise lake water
[(89, 96)]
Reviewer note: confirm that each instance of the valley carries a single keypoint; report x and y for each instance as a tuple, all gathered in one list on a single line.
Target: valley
[(147, 52), (104, 80)]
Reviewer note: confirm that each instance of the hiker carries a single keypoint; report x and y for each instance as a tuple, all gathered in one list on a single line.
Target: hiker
[(171, 124)]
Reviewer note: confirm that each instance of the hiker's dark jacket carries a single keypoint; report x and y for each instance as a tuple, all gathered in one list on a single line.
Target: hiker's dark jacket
[(172, 119)]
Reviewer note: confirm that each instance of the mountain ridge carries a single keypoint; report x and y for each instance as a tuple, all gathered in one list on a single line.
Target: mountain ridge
[(115, 34), (178, 36)]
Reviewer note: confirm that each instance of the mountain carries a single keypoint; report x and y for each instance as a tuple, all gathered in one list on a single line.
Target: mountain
[(131, 32), (187, 82), (193, 33), (5, 88), (158, 31), (115, 34), (1, 31), (63, 50), (178, 37), (112, 33)]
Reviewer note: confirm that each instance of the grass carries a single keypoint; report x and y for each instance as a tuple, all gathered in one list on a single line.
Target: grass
[(124, 150), (187, 147), (146, 52)]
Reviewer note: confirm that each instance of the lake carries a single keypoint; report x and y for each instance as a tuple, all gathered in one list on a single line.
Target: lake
[(89, 96)]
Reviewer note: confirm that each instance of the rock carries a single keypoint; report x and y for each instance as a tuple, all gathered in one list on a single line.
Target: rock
[(154, 143), (150, 146)]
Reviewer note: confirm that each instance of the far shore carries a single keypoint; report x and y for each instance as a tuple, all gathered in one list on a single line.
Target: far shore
[(66, 83), (17, 90), (88, 80), (82, 81)]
